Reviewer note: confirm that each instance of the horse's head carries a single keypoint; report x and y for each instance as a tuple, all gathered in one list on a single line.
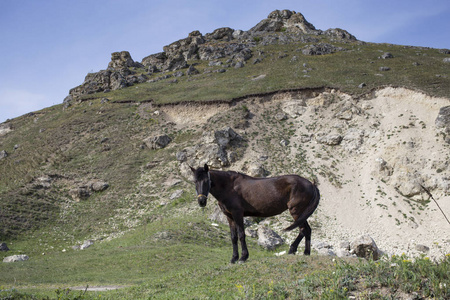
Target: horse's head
[(202, 184)]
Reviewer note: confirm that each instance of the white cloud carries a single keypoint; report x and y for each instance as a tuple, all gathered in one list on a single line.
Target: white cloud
[(14, 103)]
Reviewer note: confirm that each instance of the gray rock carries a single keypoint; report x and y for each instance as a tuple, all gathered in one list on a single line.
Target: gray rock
[(387, 55), (5, 128), (331, 139), (362, 85), (181, 156), (443, 119), (16, 258), (339, 34), (251, 233), (446, 60), (293, 23), (120, 60), (226, 136), (3, 154), (364, 246), (281, 116), (192, 71), (218, 216), (384, 69), (422, 248), (80, 193), (176, 194), (257, 170), (99, 186), (268, 239), (3, 247), (86, 244), (157, 142), (342, 253), (326, 252), (321, 49)]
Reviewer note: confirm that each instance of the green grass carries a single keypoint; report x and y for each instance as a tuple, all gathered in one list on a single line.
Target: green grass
[(187, 258)]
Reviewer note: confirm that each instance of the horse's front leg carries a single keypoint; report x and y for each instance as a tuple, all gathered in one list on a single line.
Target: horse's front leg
[(234, 239), (239, 220)]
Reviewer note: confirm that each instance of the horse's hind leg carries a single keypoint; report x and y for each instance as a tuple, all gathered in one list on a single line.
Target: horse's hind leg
[(305, 231), (294, 245)]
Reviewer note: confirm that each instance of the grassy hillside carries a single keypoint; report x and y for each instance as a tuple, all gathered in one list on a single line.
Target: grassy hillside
[(166, 248), (285, 67)]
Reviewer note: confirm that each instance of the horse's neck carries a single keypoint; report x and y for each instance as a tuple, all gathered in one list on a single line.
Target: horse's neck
[(220, 181)]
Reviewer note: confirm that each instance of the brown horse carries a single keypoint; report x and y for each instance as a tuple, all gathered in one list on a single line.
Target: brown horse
[(239, 195)]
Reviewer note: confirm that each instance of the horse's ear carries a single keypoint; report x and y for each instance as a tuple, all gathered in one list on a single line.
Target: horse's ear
[(192, 169), (206, 168)]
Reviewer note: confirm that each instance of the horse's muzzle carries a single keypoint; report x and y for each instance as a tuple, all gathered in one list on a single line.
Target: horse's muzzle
[(202, 200)]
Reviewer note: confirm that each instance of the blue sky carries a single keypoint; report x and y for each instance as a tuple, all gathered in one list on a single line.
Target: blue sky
[(48, 46)]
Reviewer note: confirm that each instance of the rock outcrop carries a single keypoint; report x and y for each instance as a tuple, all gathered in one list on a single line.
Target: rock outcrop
[(280, 27)]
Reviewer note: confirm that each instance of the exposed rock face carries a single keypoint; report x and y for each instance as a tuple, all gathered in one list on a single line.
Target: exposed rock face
[(443, 122), (217, 149)]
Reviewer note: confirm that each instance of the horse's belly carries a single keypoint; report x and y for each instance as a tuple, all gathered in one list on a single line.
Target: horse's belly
[(266, 209)]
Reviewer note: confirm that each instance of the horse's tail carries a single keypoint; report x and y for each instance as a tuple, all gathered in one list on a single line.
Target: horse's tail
[(314, 202)]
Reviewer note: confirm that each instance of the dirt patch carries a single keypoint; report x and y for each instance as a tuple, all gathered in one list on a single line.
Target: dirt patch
[(101, 288)]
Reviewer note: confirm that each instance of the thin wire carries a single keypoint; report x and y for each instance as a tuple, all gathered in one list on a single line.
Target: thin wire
[(431, 196)]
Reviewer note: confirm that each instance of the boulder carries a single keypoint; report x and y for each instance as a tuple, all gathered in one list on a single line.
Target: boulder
[(3, 247), (422, 248), (80, 193), (98, 186), (294, 108), (16, 258), (268, 239), (364, 246), (331, 139), (3, 154), (157, 142), (5, 128), (387, 55), (257, 170), (226, 136)]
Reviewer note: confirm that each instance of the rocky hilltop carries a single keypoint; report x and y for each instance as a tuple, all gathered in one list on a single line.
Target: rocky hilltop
[(280, 27)]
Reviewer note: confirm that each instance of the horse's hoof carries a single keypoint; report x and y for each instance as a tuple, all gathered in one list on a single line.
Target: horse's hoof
[(307, 252), (233, 260)]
